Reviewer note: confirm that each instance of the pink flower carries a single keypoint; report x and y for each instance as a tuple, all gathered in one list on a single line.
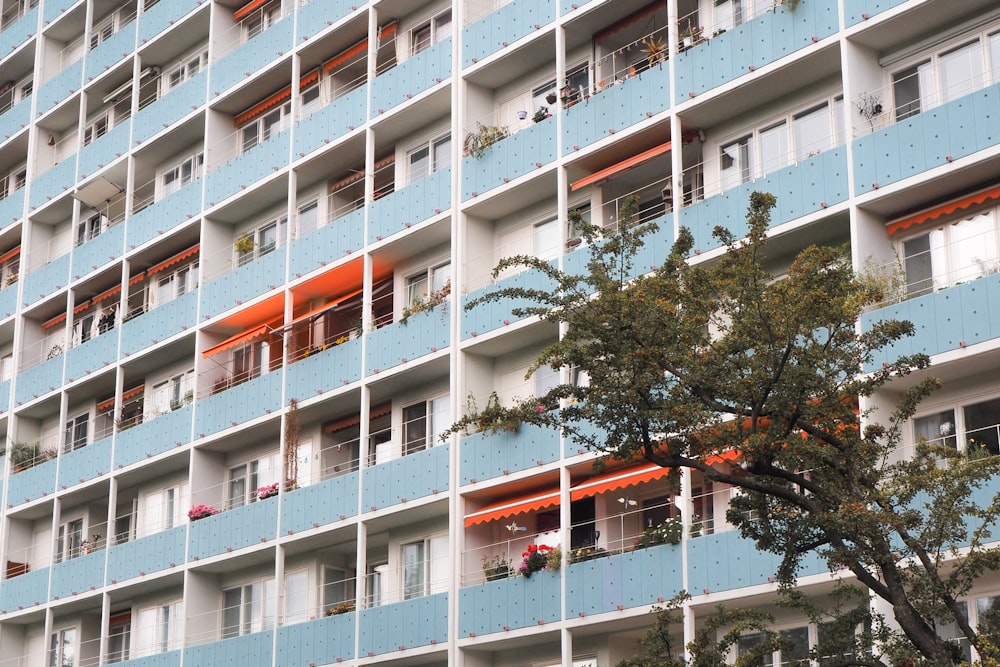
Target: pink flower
[(540, 408)]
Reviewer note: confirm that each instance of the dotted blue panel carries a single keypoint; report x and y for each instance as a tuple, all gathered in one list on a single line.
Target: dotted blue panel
[(418, 622), (411, 77), (323, 641), (24, 591), (253, 650), (331, 242), (91, 356), (160, 323), (57, 90), (239, 172), (11, 206), (488, 316), (98, 251), (164, 215), (238, 404), (20, 31), (315, 16), (400, 480), (856, 11), (161, 16), (253, 56), (505, 26), (169, 659), (174, 105), (320, 504), (110, 51), (411, 205), (529, 149), (326, 370), (244, 283), (324, 125), (398, 343), (146, 555), (77, 576), (508, 604), (39, 380), (234, 529), (85, 464), (488, 455)]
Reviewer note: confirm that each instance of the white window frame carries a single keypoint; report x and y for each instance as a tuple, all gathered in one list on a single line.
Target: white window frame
[(255, 608), (175, 283), (431, 568), (74, 426), (261, 245), (165, 622), (13, 180), (186, 170), (163, 509), (187, 67), (437, 28), (243, 479), (63, 645), (435, 148), (264, 126), (420, 284), (436, 419), (260, 20), (295, 603), (958, 435), (69, 540)]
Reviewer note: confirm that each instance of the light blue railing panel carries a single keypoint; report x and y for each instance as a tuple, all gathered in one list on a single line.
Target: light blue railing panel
[(60, 88), (632, 579), (55, 9), (95, 354), (412, 77), (404, 479), (4, 396), (324, 125), (236, 287), (398, 343), (8, 300), (153, 437), (944, 320), (84, 464), (168, 659), (98, 251), (44, 281), (411, 205), (239, 172), (19, 32), (656, 246), (32, 483), (574, 445), (800, 189), (331, 242), (759, 42), (253, 650), (509, 158), (77, 575), (855, 10), (487, 455), (325, 370), (169, 109), (253, 56), (513, 603), (325, 641), (160, 217), (238, 404), (327, 502), (146, 555), (488, 316), (505, 26), (49, 185), (12, 208), (110, 51), (24, 591), (162, 15), (235, 529), (616, 108), (932, 138), (15, 119), (39, 380), (408, 624), (318, 14), (103, 151), (572, 5), (159, 323), (725, 561)]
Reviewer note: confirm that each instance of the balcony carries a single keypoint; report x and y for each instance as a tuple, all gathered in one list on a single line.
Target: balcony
[(926, 140), (50, 184), (316, 15), (488, 455), (11, 208), (410, 205), (337, 118), (725, 561), (406, 479), (93, 355), (113, 49), (32, 484), (336, 239), (84, 464), (254, 55), (153, 436), (77, 575), (399, 343), (411, 77), (510, 158), (234, 529), (98, 251), (807, 187), (159, 324), (18, 32), (237, 173), (624, 580), (511, 603), (253, 650), (39, 380), (421, 621), (25, 590), (859, 10), (486, 317), (505, 26), (231, 289), (15, 118), (165, 214), (162, 15), (325, 370), (46, 280), (320, 504), (327, 640), (752, 45), (106, 149), (241, 403), (172, 107), (168, 659), (60, 88), (146, 555)]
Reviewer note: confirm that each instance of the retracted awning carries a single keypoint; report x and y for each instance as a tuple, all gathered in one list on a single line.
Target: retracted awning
[(356, 49), (179, 257), (256, 332), (509, 507), (131, 393), (628, 163), (948, 208), (247, 8), (618, 479), (376, 411), (13, 252), (322, 309)]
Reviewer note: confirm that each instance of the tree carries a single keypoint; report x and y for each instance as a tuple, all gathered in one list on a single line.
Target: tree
[(695, 359)]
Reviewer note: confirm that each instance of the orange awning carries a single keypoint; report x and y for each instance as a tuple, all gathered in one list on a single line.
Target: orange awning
[(607, 172), (179, 257), (82, 307), (274, 100), (247, 8), (258, 331), (376, 411), (358, 175), (531, 502), (352, 51), (332, 304), (13, 252), (954, 205), (618, 479), (137, 278), (108, 402), (104, 295), (61, 317)]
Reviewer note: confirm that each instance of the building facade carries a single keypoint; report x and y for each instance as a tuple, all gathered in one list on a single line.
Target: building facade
[(232, 323)]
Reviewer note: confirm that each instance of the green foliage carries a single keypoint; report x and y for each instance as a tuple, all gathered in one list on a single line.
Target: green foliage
[(777, 380), (485, 136), (668, 532), (497, 567), (427, 303)]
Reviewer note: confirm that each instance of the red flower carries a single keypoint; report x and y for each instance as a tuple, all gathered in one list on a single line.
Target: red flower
[(532, 548)]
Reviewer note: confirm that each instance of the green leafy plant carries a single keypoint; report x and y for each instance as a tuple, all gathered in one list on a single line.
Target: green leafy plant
[(342, 608), (584, 554), (497, 567), (427, 303), (668, 532), (485, 136), (244, 245)]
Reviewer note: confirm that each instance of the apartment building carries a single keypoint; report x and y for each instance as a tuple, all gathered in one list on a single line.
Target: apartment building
[(236, 243)]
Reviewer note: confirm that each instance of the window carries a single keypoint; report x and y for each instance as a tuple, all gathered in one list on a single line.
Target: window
[(335, 587), (245, 479), (432, 32), (186, 69), (546, 240), (979, 426), (96, 128), (172, 393), (163, 509), (308, 216), (952, 633), (173, 284), (261, 19), (296, 596), (988, 614), (424, 422), (62, 648), (429, 158), (6, 367), (248, 608), (76, 432), (69, 541), (12, 93), (937, 429), (262, 240), (90, 227), (264, 126), (425, 567), (310, 98), (955, 252), (378, 576), (160, 628), (176, 177), (431, 281), (577, 87), (119, 635), (13, 181), (797, 654)]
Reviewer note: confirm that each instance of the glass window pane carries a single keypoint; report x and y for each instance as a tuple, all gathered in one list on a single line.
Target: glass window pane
[(231, 603), (546, 240), (982, 425), (906, 92), (773, 148), (917, 265), (440, 418), (419, 163), (972, 251), (936, 429), (414, 428), (798, 653), (413, 570), (735, 163), (442, 154), (994, 46), (296, 593), (811, 132), (961, 71), (438, 566)]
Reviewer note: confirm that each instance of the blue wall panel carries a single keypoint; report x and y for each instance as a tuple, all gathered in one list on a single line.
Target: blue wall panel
[(160, 217), (318, 14), (32, 483), (631, 579), (147, 555), (19, 32), (411, 205), (331, 122), (39, 380), (253, 650), (504, 26), (98, 251), (398, 343), (93, 355), (509, 158), (511, 603), (331, 242), (53, 182), (246, 168), (84, 464), (234, 529), (320, 504), (253, 56), (24, 591), (174, 105), (77, 576), (112, 50), (855, 11), (162, 15), (238, 404), (60, 88), (153, 437), (418, 622), (12, 208), (487, 455), (325, 371), (488, 316), (168, 659), (323, 641), (411, 77), (243, 283), (404, 479), (159, 323)]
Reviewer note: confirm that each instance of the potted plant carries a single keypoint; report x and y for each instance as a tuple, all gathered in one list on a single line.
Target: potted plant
[(244, 245), (427, 303), (338, 609), (266, 491), (541, 114), (668, 532), (24, 455), (539, 557), (485, 136), (497, 567), (655, 49), (201, 511)]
